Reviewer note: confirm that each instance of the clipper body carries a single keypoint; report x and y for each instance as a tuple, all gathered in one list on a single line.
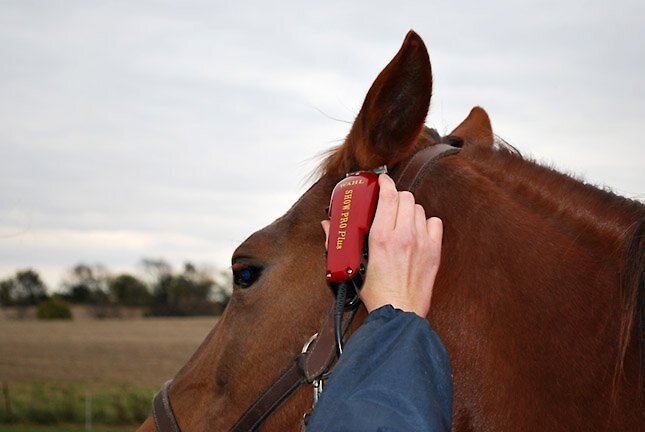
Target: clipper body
[(351, 212)]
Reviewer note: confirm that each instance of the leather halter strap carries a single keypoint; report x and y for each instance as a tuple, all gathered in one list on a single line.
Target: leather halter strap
[(307, 367), (415, 170), (162, 411), (312, 364)]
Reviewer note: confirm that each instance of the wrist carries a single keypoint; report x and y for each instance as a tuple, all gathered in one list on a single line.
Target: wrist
[(405, 306)]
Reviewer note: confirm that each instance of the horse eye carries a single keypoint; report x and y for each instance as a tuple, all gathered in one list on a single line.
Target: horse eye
[(244, 277)]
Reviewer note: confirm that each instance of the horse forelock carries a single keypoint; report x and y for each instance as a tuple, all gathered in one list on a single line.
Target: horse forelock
[(339, 160)]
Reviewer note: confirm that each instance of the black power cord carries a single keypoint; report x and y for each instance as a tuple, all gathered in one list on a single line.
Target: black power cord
[(341, 296)]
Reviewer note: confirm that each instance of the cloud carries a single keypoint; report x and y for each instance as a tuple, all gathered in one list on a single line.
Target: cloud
[(177, 129)]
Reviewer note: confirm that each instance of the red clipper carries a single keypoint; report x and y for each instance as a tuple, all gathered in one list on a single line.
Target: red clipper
[(351, 212)]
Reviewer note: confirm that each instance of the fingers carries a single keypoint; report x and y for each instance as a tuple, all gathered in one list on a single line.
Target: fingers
[(388, 203), (405, 251), (435, 232), (397, 211), (435, 229), (405, 217)]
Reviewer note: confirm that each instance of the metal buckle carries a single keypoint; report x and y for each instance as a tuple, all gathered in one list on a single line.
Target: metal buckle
[(311, 340), (318, 388), (317, 383)]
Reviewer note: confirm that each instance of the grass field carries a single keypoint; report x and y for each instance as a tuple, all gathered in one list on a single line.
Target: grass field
[(139, 352), (50, 368)]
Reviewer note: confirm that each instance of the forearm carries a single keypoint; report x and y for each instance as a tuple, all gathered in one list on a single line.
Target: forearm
[(394, 375)]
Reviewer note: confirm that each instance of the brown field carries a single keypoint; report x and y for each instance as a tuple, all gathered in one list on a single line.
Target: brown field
[(135, 351)]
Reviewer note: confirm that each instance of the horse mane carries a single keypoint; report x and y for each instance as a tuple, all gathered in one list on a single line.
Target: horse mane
[(633, 282)]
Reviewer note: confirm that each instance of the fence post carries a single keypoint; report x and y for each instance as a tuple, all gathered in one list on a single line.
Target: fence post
[(7, 400)]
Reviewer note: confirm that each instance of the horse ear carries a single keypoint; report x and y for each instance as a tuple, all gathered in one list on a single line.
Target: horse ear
[(392, 117), (475, 129)]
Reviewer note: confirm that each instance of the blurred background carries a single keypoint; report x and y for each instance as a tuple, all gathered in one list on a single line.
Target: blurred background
[(140, 142)]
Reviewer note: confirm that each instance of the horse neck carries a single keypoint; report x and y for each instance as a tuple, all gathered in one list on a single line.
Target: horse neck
[(535, 257), (612, 225)]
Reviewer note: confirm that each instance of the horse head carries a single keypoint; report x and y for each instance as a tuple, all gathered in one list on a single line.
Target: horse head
[(519, 299)]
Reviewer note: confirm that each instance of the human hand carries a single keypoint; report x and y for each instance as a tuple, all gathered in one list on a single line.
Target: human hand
[(404, 253)]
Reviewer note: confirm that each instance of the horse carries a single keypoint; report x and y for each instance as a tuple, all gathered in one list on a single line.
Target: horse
[(539, 299)]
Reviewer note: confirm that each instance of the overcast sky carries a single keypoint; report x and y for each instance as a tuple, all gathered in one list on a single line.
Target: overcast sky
[(173, 130)]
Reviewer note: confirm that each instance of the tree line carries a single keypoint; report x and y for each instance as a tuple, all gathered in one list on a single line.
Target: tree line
[(159, 291)]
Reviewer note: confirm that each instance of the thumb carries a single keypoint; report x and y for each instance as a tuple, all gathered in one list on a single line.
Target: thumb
[(325, 227)]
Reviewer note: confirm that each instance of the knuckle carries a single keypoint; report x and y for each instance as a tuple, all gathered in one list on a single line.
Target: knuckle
[(418, 208), (406, 197), (378, 237), (406, 240), (388, 195)]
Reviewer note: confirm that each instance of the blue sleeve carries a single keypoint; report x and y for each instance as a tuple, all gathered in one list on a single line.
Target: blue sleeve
[(394, 375)]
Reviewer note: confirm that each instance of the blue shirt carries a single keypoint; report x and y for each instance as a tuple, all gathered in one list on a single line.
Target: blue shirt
[(394, 375)]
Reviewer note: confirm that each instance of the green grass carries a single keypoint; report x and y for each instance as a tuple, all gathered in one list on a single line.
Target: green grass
[(58, 404)]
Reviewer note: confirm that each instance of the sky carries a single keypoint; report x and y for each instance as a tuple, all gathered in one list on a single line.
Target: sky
[(164, 129)]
